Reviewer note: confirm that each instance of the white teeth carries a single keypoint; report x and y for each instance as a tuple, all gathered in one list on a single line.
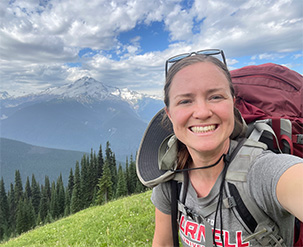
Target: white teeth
[(200, 129)]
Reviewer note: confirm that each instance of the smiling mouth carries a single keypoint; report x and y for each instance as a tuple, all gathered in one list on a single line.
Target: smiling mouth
[(203, 129)]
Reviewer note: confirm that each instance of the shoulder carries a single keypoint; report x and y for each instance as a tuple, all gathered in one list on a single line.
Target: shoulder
[(269, 162), (161, 197)]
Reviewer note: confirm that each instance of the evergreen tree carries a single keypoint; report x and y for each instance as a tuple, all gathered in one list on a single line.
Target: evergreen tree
[(93, 175), (60, 196), (47, 187), (121, 184), (4, 211), (36, 194), (54, 202), (44, 206), (100, 163), (12, 209), (27, 189), (18, 187), (25, 216), (110, 159), (127, 178), (85, 183), (30, 215), (49, 218), (132, 175), (3, 225), (76, 203), (70, 184), (20, 217), (114, 171), (139, 187), (39, 221), (105, 191), (108, 152), (67, 203)]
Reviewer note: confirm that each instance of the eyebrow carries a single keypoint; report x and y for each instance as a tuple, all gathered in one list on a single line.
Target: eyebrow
[(210, 91)]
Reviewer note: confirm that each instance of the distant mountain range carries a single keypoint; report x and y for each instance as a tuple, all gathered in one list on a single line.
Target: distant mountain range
[(36, 130), (79, 116)]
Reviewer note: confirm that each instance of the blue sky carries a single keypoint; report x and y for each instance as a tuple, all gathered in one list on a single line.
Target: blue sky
[(125, 43)]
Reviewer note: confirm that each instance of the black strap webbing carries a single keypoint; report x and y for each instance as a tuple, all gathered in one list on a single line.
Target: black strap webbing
[(244, 213), (174, 211)]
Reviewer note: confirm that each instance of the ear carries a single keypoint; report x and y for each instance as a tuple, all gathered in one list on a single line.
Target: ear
[(234, 99), (167, 113)]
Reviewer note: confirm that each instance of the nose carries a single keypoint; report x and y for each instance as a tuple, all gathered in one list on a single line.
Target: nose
[(201, 110)]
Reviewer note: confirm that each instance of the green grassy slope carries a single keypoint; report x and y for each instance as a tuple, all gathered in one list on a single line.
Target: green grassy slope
[(125, 222)]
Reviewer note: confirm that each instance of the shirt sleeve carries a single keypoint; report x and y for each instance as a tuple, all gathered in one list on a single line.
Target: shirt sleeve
[(263, 178), (161, 197)]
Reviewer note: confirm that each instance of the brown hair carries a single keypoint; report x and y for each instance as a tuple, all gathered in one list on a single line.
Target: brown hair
[(184, 157)]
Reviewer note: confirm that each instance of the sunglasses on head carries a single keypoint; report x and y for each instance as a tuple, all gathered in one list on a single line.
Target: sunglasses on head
[(208, 52)]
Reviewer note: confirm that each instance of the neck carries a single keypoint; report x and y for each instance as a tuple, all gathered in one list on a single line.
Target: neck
[(204, 179), (212, 161)]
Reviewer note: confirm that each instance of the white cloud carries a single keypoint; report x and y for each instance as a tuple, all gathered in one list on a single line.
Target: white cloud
[(39, 40)]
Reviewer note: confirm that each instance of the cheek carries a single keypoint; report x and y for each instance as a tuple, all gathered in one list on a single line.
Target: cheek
[(179, 117), (229, 118), (226, 112)]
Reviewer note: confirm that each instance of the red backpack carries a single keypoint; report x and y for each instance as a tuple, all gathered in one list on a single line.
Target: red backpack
[(273, 94), (271, 91)]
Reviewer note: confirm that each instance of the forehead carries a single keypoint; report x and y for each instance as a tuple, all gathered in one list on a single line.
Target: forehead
[(200, 74)]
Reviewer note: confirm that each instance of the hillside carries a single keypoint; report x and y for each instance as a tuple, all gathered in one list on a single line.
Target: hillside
[(125, 222), (29, 159)]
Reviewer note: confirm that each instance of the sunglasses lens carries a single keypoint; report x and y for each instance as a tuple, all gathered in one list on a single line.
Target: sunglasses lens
[(215, 53), (209, 52), (178, 58)]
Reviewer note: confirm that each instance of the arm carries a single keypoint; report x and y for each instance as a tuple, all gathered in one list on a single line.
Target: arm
[(163, 230), (290, 190)]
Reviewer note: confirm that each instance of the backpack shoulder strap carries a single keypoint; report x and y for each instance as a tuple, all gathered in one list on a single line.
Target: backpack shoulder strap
[(174, 211), (253, 219)]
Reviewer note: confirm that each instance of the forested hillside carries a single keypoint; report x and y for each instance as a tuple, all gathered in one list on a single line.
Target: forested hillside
[(95, 180)]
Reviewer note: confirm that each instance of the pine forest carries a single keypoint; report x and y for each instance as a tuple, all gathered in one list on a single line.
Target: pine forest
[(95, 180)]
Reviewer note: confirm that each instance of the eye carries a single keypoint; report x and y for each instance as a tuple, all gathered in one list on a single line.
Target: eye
[(216, 97), (184, 101)]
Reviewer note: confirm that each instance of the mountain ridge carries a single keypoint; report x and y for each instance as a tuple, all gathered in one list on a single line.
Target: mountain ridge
[(37, 160), (79, 116)]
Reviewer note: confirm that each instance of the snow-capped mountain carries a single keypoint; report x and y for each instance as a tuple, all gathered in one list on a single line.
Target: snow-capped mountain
[(79, 116), (84, 88), (88, 88), (4, 95)]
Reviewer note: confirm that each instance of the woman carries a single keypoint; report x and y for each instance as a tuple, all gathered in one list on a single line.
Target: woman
[(199, 102)]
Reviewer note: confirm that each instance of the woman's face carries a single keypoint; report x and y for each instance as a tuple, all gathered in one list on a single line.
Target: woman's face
[(201, 107)]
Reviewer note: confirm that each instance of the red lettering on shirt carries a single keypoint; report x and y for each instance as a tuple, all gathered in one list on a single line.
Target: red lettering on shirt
[(201, 233), (217, 237), (226, 240), (239, 240), (192, 231)]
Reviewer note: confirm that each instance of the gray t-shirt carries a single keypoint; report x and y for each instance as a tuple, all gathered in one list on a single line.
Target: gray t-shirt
[(262, 179)]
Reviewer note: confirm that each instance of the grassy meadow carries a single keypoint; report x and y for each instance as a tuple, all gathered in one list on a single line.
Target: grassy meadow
[(125, 222)]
